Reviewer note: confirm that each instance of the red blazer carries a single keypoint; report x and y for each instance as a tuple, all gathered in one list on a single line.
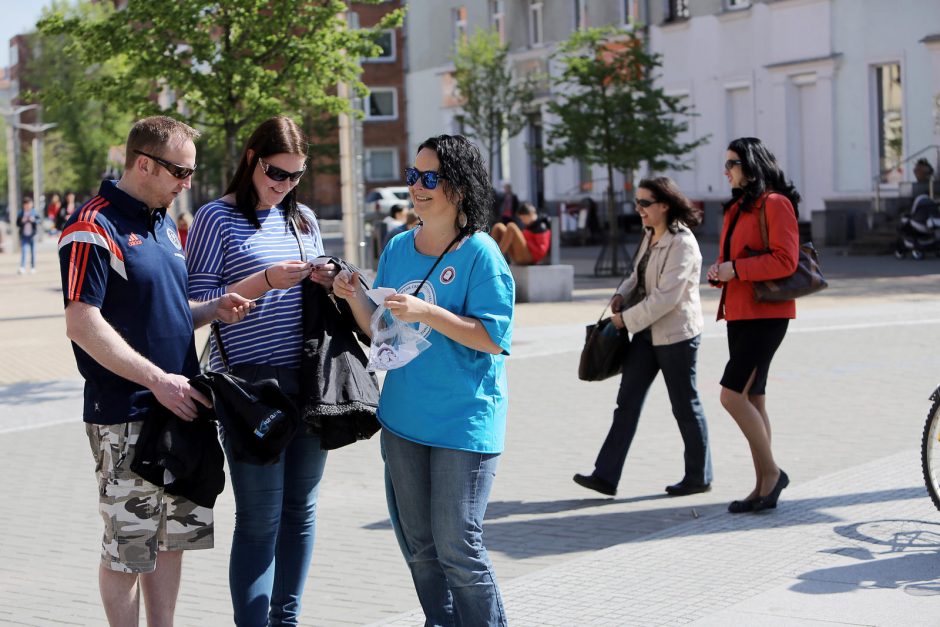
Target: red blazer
[(783, 233)]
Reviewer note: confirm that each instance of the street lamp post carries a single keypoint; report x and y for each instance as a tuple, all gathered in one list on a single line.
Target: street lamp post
[(37, 130), (13, 174)]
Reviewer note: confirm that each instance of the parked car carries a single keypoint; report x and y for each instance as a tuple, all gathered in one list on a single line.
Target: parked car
[(381, 199)]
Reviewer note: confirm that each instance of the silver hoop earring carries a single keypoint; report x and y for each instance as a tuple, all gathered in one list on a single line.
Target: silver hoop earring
[(462, 220)]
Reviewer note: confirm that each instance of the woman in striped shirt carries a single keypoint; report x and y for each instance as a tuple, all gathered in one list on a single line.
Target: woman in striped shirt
[(256, 240)]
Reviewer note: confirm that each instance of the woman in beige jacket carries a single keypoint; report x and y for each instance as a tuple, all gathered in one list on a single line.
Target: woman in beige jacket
[(659, 304)]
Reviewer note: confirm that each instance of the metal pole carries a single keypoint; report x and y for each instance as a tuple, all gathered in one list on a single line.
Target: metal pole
[(13, 174), (352, 246), (37, 172)]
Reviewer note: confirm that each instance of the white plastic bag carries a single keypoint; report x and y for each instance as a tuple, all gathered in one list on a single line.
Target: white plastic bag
[(394, 342)]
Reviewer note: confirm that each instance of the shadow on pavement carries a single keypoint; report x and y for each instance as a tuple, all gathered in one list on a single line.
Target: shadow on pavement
[(918, 574), (594, 531), (35, 392)]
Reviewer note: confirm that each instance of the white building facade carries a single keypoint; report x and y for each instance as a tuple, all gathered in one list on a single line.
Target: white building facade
[(845, 92)]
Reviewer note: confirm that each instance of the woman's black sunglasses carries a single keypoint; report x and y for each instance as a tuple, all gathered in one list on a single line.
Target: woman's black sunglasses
[(429, 179), (178, 171), (645, 202), (730, 163), (277, 174)]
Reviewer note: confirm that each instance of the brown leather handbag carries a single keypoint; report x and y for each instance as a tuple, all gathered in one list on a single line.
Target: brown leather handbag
[(807, 279)]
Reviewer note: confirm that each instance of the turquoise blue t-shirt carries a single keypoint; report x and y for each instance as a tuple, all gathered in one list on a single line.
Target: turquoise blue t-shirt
[(451, 396)]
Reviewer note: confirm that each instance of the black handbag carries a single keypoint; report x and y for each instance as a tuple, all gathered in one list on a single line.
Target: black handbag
[(605, 347), (807, 279)]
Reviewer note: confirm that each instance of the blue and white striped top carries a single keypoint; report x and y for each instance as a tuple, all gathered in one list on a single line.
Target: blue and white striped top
[(223, 248)]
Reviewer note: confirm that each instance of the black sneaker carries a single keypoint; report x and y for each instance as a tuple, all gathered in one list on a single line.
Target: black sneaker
[(684, 489), (595, 483)]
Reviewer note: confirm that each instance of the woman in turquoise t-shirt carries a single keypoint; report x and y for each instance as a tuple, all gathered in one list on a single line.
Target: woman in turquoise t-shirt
[(444, 412)]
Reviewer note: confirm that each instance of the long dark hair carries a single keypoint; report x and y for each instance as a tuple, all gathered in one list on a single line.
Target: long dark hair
[(665, 190), (762, 172), (274, 135), (464, 178)]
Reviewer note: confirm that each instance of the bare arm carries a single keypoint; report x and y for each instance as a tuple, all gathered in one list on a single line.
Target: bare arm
[(86, 327), (230, 307), (467, 331)]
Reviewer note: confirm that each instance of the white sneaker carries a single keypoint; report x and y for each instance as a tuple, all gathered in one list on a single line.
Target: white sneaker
[(32, 271), (22, 270)]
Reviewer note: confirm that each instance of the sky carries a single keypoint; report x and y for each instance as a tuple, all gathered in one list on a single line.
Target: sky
[(19, 16)]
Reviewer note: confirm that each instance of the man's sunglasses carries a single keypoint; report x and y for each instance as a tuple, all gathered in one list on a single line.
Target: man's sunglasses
[(645, 202), (429, 179), (277, 174), (178, 171), (730, 163)]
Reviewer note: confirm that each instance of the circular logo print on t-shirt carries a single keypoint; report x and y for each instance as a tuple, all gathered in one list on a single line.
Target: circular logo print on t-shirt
[(174, 238), (448, 274)]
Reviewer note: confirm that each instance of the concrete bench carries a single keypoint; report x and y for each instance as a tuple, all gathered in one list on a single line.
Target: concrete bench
[(541, 284)]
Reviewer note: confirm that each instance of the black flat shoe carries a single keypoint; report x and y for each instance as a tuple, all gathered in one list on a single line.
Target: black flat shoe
[(770, 501), (684, 489), (742, 507), (595, 483)]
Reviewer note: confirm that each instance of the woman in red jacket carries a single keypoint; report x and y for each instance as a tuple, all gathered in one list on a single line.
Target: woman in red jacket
[(755, 330)]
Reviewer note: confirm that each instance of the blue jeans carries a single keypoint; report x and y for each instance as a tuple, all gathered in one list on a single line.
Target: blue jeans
[(436, 501), (275, 524), (642, 363), (30, 243)]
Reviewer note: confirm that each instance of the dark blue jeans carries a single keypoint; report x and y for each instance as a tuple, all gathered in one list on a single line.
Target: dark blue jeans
[(642, 363), (436, 501), (275, 524)]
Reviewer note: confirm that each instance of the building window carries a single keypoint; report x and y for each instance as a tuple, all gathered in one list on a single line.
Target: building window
[(677, 10), (888, 102), (629, 12), (382, 164), (734, 5), (535, 23), (585, 177), (383, 104), (386, 41), (459, 18), (498, 19), (580, 14)]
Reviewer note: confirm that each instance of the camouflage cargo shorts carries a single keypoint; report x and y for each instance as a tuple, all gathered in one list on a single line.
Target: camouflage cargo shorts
[(139, 517)]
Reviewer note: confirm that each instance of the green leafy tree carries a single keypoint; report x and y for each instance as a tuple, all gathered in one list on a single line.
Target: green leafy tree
[(609, 111), (493, 100), (76, 151), (227, 64)]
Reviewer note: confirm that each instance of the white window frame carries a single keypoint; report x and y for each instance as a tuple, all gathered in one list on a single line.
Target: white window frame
[(498, 18), (459, 19), (536, 24), (394, 50), (370, 175), (580, 14), (378, 118)]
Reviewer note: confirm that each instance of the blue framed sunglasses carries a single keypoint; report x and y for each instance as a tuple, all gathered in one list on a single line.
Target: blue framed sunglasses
[(429, 179)]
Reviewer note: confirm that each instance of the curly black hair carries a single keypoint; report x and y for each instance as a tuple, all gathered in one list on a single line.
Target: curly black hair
[(760, 167), (465, 180)]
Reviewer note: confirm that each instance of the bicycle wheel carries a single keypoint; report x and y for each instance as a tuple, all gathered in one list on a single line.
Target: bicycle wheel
[(930, 450)]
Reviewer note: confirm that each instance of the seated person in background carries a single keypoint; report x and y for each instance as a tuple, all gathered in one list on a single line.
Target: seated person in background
[(411, 220), (528, 245)]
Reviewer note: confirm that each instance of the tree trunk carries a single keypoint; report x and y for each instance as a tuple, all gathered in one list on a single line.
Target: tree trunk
[(614, 239), (231, 154)]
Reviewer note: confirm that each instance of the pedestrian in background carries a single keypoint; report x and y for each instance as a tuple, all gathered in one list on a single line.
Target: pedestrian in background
[(27, 221), (131, 326), (444, 412), (526, 245), (257, 240), (755, 330), (659, 304)]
